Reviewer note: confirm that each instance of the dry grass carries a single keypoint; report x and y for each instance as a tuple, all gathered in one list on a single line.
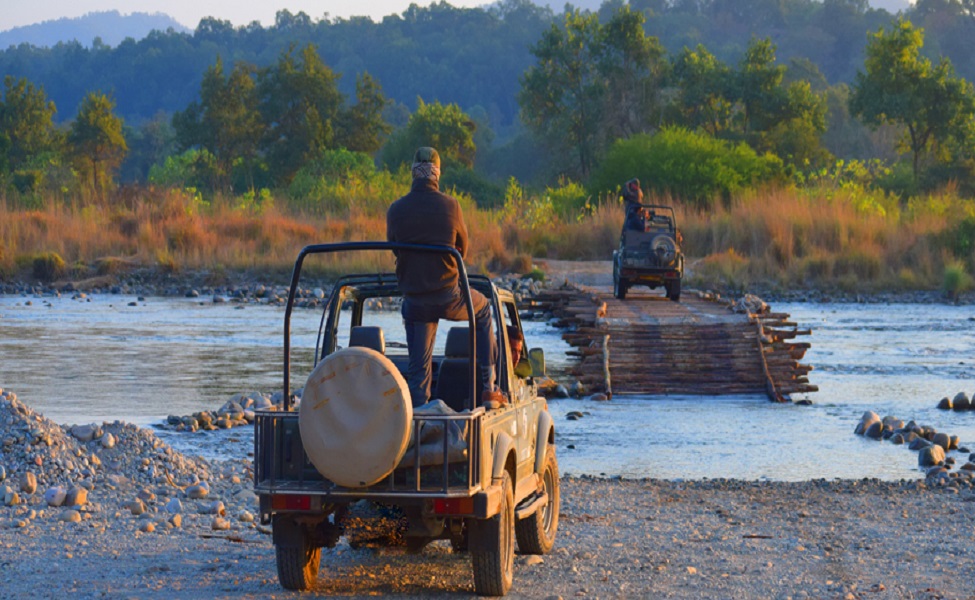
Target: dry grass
[(775, 237)]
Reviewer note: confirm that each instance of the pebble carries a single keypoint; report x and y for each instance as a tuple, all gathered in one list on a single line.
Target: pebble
[(70, 516), (147, 527), (28, 483), (137, 507), (55, 496), (220, 524), (107, 441), (198, 491), (174, 506), (77, 496), (176, 521)]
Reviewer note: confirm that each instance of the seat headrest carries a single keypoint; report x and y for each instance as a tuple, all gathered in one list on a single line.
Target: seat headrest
[(368, 337), (458, 340)]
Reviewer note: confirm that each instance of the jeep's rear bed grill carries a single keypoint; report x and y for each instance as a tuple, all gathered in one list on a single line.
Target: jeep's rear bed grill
[(283, 467)]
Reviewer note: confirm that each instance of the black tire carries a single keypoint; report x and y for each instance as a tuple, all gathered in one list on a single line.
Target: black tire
[(536, 534), (673, 290), (493, 546), (620, 284), (298, 565)]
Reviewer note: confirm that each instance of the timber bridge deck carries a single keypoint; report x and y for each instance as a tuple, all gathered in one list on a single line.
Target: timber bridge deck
[(699, 346)]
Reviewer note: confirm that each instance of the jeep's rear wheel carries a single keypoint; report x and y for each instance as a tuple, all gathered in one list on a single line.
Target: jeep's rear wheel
[(673, 289), (493, 546), (298, 564), (536, 534)]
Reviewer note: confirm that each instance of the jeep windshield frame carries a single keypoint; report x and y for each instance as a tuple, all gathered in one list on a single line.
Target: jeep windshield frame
[(315, 249)]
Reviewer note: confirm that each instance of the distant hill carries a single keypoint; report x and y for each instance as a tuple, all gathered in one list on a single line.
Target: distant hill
[(111, 26)]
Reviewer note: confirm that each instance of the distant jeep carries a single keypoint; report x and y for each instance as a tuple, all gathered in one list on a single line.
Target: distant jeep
[(649, 252)]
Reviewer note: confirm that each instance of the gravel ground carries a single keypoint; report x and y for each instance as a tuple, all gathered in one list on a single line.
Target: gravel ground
[(146, 521)]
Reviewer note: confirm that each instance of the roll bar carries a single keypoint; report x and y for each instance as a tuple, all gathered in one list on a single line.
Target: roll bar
[(366, 246)]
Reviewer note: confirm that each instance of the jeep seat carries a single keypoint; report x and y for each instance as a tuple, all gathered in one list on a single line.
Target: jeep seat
[(368, 337), (453, 378)]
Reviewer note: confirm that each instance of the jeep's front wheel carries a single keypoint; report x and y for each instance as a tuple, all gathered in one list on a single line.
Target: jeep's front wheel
[(298, 564), (620, 285), (536, 534), (492, 546)]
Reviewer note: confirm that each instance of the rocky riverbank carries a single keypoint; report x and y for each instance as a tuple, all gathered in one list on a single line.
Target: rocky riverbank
[(155, 523)]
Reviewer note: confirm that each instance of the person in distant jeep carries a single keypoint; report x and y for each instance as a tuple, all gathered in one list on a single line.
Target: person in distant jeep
[(632, 198), (430, 281)]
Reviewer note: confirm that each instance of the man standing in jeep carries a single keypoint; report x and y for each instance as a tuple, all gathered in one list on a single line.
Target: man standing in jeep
[(430, 281)]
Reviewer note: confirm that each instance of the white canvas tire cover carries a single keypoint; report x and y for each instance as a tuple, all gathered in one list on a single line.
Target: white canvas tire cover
[(355, 417)]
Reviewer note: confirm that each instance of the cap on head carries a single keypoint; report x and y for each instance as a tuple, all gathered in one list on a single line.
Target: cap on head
[(426, 154)]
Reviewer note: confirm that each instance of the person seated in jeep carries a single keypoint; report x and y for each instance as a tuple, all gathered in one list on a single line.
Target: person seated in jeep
[(516, 341), (632, 198)]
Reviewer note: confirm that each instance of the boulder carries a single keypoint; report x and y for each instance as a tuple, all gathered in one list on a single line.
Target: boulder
[(945, 403), (875, 430), (943, 440), (931, 456), (961, 402)]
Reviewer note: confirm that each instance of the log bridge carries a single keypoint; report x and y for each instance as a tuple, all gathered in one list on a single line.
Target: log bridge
[(703, 345)]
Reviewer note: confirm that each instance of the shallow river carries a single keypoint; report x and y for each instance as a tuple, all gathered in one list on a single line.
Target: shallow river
[(98, 359)]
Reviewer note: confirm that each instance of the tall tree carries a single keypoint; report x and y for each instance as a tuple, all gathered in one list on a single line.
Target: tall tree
[(703, 98), (26, 125), (96, 140), (902, 87), (225, 121), (592, 83), (362, 126), (301, 103), (444, 127)]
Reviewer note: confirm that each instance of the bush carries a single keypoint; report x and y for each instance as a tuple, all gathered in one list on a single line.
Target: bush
[(48, 266), (486, 194), (956, 279), (691, 166)]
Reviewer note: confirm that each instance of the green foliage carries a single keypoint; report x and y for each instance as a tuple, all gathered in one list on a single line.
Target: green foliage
[(960, 239), (692, 167), (592, 83), (529, 212), (97, 144), (486, 194), (900, 86), (48, 266), (194, 168), (26, 132), (570, 200), (444, 127), (956, 279)]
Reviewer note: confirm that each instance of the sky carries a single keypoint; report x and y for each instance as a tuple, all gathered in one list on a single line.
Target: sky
[(16, 13)]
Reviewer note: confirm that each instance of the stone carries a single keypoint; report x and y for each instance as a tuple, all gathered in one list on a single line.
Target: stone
[(147, 527), (213, 508), (247, 517), (953, 442), (174, 506), (107, 441), (868, 419), (599, 398), (943, 440), (70, 516), (897, 439), (961, 402), (220, 524), (11, 497), (918, 443), (875, 430), (945, 403), (28, 483), (84, 433), (176, 521), (574, 415), (146, 495), (931, 456), (3, 474), (136, 507), (77, 496), (198, 491), (54, 496)]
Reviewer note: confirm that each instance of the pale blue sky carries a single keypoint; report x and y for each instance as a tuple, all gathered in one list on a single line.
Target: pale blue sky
[(14, 13)]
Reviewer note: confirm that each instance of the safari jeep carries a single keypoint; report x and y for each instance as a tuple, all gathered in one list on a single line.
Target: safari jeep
[(451, 469), (649, 252)]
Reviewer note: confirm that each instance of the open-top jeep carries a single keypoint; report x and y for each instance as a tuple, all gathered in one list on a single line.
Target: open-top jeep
[(649, 252), (451, 469)]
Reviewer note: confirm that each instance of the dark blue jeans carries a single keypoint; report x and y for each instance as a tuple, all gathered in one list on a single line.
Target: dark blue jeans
[(421, 317)]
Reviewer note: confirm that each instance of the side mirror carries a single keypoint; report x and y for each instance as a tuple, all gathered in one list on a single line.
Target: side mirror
[(536, 356)]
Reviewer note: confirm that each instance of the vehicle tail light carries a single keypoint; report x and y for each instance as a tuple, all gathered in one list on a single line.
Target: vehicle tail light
[(291, 502), (453, 506)]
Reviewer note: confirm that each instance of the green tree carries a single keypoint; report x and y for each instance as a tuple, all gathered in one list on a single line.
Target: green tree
[(225, 121), (444, 127), (703, 99), (592, 84), (96, 141), (301, 103), (362, 127), (902, 87), (26, 127)]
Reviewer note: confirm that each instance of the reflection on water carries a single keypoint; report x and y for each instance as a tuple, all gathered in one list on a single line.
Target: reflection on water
[(100, 359)]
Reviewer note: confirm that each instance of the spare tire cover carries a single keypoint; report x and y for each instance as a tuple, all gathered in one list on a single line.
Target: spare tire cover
[(355, 417)]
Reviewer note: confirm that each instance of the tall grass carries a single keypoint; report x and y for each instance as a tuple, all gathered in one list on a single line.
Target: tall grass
[(818, 236)]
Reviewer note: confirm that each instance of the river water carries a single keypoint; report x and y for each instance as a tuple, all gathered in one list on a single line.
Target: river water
[(108, 357)]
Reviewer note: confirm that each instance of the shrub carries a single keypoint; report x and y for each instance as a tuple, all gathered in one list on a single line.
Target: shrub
[(956, 280), (48, 266), (486, 194), (691, 166)]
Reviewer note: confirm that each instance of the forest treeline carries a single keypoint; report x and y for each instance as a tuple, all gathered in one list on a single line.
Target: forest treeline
[(538, 123)]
